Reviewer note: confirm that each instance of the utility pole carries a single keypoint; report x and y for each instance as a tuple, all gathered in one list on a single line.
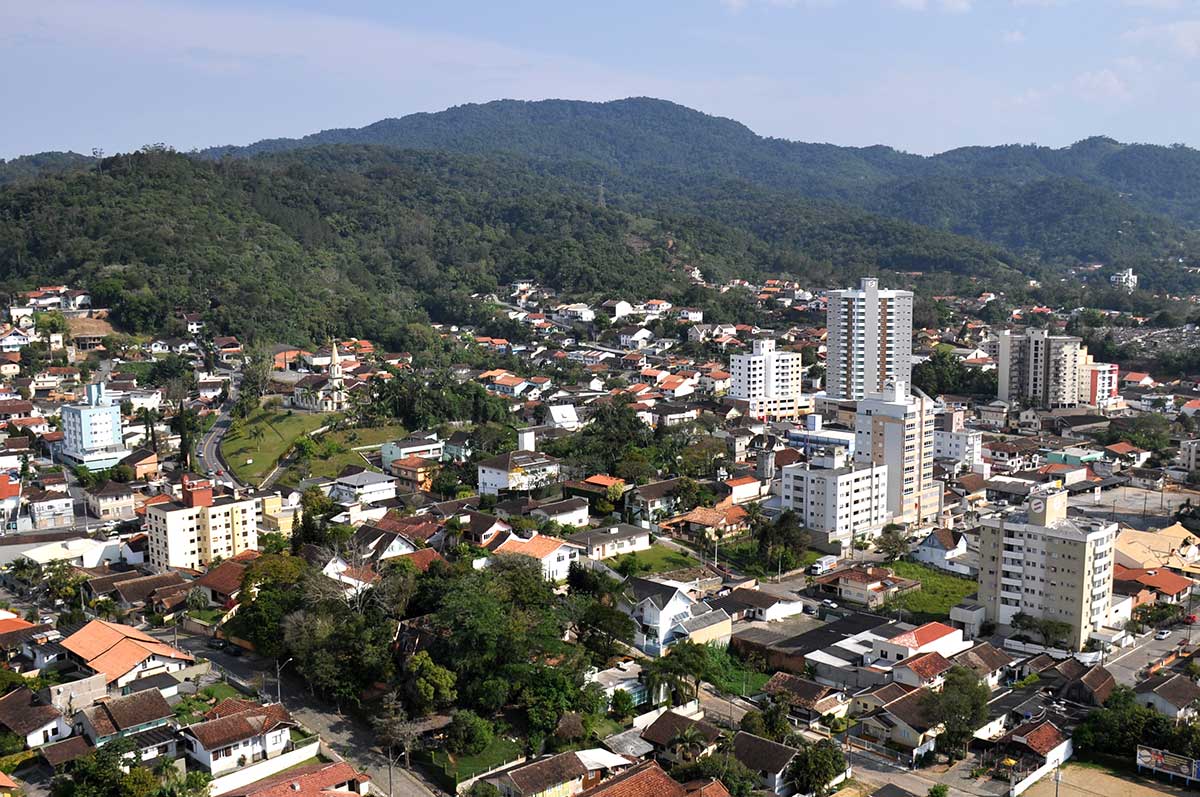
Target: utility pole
[(279, 681)]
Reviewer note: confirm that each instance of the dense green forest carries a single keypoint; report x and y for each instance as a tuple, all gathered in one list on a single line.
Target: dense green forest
[(370, 240)]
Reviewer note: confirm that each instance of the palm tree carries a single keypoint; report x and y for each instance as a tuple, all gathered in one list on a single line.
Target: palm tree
[(257, 434), (688, 742), (149, 417)]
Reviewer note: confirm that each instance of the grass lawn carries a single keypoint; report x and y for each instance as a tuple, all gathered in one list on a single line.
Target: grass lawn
[(658, 559), (206, 615), (743, 556), (348, 439), (732, 676), (939, 591), (456, 769), (220, 691), (280, 429)]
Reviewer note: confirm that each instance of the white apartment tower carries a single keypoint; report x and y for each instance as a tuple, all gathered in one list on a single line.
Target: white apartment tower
[(1038, 368), (840, 501), (768, 380), (895, 428), (869, 342), (1039, 562)]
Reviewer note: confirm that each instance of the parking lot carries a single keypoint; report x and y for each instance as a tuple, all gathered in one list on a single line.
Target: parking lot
[(1133, 506)]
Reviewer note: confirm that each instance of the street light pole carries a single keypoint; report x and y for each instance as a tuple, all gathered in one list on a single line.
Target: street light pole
[(279, 681)]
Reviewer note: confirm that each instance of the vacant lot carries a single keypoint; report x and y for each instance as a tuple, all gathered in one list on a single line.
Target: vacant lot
[(252, 455), (939, 591), (658, 559), (1086, 781)]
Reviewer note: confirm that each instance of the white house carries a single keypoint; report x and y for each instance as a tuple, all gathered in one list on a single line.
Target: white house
[(613, 540), (555, 554), (568, 512), (236, 733), (636, 337), (943, 549), (123, 653), (768, 759), (516, 471), (665, 613), (364, 487), (418, 444), (1172, 694), (36, 721), (928, 638), (923, 669)]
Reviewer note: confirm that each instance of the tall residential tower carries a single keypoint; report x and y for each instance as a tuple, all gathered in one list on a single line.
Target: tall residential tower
[(869, 341)]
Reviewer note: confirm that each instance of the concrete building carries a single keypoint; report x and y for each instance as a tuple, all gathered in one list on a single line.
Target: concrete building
[(1038, 368), (869, 340), (92, 434), (953, 441), (202, 528), (895, 428), (1124, 279), (768, 380), (840, 501), (1098, 383), (1037, 561)]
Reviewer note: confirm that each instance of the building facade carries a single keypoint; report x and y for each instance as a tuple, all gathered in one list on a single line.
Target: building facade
[(953, 441), (869, 341), (895, 428), (194, 533), (768, 380), (1037, 561), (837, 499), (92, 432), (1038, 368)]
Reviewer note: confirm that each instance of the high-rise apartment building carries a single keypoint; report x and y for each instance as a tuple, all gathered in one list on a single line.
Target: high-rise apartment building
[(202, 528), (840, 501), (1038, 562), (768, 380), (869, 341), (1098, 383), (92, 432), (1038, 368), (895, 428), (953, 441)]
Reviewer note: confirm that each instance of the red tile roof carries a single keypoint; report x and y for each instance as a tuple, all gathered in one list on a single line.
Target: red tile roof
[(922, 635), (927, 666)]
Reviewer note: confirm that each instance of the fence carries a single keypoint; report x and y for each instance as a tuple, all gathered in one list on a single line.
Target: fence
[(880, 750)]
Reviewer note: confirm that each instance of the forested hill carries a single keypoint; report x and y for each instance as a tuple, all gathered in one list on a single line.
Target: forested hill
[(1096, 200), (367, 241)]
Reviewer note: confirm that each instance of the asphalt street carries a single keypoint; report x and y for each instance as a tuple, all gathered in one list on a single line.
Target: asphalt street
[(1126, 665)]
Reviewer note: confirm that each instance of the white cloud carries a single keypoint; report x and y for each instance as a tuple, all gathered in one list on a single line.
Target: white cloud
[(1013, 37), (1103, 85), (1183, 36)]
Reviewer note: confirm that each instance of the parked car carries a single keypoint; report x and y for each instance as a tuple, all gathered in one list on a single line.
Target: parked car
[(829, 603), (217, 644), (1162, 633)]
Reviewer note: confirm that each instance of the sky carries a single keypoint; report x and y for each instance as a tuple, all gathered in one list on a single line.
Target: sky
[(920, 75)]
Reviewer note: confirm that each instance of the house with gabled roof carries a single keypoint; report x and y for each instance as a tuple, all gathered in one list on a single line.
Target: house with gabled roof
[(906, 723), (922, 670), (1172, 694), (24, 713), (666, 612), (236, 733), (122, 653), (766, 758), (663, 731), (555, 554), (807, 700)]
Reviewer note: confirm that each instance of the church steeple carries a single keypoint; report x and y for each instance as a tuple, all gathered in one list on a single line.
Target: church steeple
[(335, 366)]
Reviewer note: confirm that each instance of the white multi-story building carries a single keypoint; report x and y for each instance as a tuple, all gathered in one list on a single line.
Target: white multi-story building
[(1124, 279), (835, 498), (953, 441), (202, 528), (1189, 455), (895, 428), (1036, 561), (815, 434), (768, 380), (1098, 383), (92, 433), (869, 342), (1039, 368)]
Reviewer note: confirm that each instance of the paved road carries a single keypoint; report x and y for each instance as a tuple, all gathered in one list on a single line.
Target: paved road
[(208, 450), (1126, 664), (351, 738)]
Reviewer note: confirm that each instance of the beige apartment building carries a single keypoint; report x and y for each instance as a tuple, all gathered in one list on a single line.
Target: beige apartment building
[(895, 427), (869, 341), (202, 528), (1039, 369), (1037, 561), (769, 381)]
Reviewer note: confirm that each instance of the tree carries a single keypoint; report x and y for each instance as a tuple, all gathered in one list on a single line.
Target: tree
[(186, 424), (427, 686), (1051, 631), (468, 733), (814, 766), (621, 705), (688, 742), (938, 790), (735, 776), (892, 545), (148, 419), (602, 627), (961, 707), (394, 731)]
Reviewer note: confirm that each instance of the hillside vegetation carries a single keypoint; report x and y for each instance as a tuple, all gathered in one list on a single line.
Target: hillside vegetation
[(355, 240)]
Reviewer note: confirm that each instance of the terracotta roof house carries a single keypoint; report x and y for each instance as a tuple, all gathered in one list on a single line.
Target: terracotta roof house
[(649, 780), (122, 653), (922, 669), (36, 721), (312, 780), (236, 731), (562, 773), (806, 699)]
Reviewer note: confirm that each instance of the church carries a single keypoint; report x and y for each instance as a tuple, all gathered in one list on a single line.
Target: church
[(323, 392)]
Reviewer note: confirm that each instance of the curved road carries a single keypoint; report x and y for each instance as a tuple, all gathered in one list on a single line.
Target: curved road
[(208, 449)]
